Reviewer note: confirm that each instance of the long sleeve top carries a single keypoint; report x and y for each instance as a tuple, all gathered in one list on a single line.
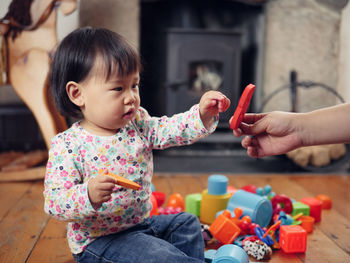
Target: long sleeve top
[(76, 156)]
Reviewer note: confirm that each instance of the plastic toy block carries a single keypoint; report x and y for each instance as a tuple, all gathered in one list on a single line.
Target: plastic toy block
[(315, 207), (122, 181), (217, 184), (242, 107), (193, 204), (326, 201), (224, 229), (307, 222), (229, 254), (214, 199), (211, 204), (299, 207), (292, 239)]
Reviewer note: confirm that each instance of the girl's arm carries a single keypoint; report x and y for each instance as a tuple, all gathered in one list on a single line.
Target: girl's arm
[(180, 129), (66, 194), (184, 128)]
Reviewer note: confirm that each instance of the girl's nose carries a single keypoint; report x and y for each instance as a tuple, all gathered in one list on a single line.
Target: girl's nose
[(130, 97)]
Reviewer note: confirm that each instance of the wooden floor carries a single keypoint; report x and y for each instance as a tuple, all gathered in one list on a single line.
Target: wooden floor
[(27, 234)]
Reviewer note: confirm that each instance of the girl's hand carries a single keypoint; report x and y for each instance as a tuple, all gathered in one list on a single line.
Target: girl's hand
[(211, 103), (100, 189)]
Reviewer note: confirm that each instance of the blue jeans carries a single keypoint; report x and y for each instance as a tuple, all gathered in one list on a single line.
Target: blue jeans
[(160, 239)]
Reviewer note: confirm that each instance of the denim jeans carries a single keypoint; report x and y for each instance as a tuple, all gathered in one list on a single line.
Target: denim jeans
[(160, 239)]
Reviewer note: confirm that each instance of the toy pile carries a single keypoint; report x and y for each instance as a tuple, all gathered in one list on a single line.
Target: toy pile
[(248, 221)]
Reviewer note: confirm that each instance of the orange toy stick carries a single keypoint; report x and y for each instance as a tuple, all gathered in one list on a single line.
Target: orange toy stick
[(121, 180), (273, 228), (242, 107)]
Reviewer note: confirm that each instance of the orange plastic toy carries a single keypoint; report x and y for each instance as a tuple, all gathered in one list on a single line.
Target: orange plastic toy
[(224, 229), (307, 222), (293, 239), (238, 214), (326, 201), (242, 107), (176, 200), (121, 180)]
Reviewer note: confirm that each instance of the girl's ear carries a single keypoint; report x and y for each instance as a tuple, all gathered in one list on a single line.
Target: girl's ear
[(74, 91)]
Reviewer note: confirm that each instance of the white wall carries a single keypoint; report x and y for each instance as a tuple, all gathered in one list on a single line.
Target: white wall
[(344, 61)]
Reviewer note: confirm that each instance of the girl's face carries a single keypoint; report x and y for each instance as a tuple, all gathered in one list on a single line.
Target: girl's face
[(109, 105)]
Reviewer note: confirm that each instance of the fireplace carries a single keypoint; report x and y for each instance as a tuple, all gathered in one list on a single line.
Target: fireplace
[(190, 47), (197, 61)]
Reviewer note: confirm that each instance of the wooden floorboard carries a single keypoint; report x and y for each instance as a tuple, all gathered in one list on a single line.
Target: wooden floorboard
[(29, 235)]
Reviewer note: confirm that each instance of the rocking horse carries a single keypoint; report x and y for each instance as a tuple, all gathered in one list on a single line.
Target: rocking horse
[(29, 30)]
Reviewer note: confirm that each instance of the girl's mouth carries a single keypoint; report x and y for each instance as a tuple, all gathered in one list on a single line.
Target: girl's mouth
[(129, 114)]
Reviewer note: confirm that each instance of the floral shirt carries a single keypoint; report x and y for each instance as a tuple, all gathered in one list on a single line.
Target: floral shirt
[(76, 156)]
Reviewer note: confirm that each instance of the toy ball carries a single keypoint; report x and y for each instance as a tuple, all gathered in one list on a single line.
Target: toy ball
[(176, 200)]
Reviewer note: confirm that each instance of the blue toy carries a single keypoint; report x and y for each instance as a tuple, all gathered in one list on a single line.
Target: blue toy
[(258, 208), (227, 254)]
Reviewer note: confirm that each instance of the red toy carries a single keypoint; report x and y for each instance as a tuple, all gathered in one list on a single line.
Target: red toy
[(293, 239), (281, 203), (242, 107), (160, 197), (154, 211), (315, 207)]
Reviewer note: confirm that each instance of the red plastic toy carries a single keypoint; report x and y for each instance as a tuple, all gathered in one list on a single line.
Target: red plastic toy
[(281, 203), (315, 207), (293, 239), (242, 107)]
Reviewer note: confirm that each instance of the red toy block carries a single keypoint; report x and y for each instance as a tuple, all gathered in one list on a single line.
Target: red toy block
[(315, 207), (224, 229), (326, 201), (292, 239)]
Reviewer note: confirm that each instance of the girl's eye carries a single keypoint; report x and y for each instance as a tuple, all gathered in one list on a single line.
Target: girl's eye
[(135, 86), (118, 89)]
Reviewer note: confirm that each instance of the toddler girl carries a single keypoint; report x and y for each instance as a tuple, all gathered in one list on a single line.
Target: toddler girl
[(95, 73)]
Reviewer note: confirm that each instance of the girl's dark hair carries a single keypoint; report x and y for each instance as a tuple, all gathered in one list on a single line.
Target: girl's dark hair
[(75, 57)]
